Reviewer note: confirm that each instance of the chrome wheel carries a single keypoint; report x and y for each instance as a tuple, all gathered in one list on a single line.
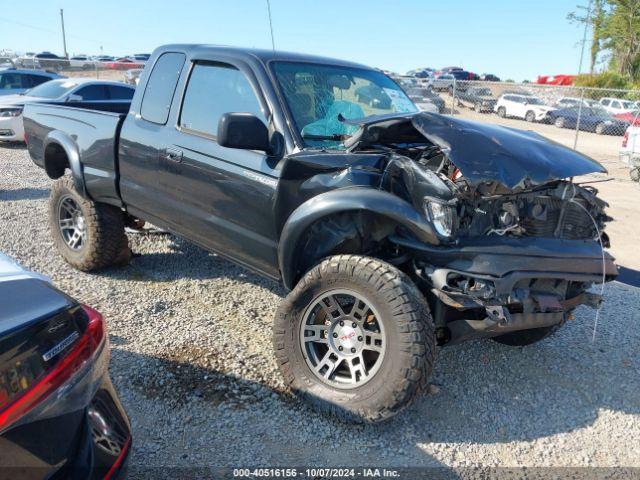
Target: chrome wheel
[(342, 339), (71, 222)]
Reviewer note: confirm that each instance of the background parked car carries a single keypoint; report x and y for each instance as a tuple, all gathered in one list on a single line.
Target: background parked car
[(13, 82), (566, 102), (592, 119), (617, 105), (6, 62), (528, 107), (28, 60), (373, 96), (630, 152), (631, 117), (124, 63), (79, 92), (82, 62), (51, 61), (441, 81), (479, 98), (60, 416), (105, 58), (140, 57), (426, 99), (489, 77)]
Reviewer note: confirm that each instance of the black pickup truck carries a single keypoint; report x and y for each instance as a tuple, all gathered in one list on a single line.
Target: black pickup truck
[(394, 230)]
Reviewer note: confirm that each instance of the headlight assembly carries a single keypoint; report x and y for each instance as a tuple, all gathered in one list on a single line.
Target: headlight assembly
[(442, 215), (10, 112)]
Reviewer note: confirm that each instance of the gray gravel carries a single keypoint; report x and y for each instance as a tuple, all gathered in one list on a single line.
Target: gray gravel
[(192, 359)]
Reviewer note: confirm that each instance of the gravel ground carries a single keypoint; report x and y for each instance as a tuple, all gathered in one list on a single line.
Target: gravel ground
[(192, 360)]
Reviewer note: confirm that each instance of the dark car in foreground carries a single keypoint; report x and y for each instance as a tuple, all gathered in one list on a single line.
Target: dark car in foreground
[(60, 416), (394, 230), (592, 119)]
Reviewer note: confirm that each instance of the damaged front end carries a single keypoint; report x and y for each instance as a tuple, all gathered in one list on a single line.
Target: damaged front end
[(518, 242)]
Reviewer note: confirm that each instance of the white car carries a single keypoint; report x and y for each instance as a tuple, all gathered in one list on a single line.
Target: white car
[(528, 107), (82, 62), (630, 152), (568, 102), (617, 105)]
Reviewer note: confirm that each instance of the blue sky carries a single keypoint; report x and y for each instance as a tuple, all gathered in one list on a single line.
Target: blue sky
[(511, 38)]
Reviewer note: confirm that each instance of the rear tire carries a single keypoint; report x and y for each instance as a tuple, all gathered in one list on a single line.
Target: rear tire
[(399, 317), (530, 116), (559, 122), (478, 107), (600, 128), (89, 235), (502, 112)]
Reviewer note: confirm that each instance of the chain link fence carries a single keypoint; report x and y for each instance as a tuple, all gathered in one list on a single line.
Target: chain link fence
[(602, 123)]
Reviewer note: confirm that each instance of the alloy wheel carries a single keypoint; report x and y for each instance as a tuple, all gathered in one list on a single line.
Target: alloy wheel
[(343, 339), (71, 222)]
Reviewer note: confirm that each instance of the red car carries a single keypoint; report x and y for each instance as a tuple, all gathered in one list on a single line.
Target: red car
[(124, 64), (632, 117)]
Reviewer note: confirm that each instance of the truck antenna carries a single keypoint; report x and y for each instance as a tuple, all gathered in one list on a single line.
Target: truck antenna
[(273, 43)]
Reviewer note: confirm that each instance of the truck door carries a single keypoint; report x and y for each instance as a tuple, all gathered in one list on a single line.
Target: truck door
[(221, 197)]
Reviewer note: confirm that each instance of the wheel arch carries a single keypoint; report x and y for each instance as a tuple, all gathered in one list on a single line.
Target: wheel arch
[(61, 152), (381, 205)]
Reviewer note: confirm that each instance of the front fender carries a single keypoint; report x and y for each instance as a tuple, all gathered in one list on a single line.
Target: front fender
[(343, 200), (73, 156)]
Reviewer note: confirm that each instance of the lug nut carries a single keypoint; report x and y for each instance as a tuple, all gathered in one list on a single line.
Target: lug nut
[(335, 335), (340, 348), (353, 350), (354, 324), (360, 338), (341, 323)]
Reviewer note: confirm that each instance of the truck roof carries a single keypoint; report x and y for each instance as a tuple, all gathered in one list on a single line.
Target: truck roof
[(263, 55)]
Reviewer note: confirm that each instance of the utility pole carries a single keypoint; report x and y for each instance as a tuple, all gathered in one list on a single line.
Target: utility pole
[(64, 37), (584, 36)]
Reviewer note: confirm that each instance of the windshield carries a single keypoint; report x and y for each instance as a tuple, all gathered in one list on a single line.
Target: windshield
[(52, 89), (320, 96), (485, 92), (534, 101), (599, 111)]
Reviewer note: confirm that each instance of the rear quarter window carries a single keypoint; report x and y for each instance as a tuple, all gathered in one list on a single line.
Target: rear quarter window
[(161, 87)]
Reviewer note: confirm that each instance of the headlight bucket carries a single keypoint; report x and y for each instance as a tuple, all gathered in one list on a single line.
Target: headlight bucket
[(442, 215)]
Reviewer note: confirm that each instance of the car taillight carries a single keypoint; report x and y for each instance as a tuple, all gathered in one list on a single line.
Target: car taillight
[(625, 139), (80, 352)]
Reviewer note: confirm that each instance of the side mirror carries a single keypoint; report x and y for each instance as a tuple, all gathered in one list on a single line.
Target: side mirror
[(244, 131), (74, 97)]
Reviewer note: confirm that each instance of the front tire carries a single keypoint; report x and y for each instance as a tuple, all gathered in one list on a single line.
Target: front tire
[(530, 116), (600, 129), (89, 235), (559, 122), (502, 112), (355, 339)]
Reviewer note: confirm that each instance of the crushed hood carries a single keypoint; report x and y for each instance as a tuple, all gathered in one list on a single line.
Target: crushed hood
[(484, 152)]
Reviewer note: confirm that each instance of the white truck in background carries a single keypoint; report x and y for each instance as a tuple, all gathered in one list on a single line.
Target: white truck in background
[(630, 151)]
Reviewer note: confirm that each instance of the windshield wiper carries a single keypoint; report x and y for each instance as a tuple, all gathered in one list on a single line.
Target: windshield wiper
[(336, 137)]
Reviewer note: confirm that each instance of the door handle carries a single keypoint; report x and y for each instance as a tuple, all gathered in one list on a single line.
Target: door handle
[(173, 154)]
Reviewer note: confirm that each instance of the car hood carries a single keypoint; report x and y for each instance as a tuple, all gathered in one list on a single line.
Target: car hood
[(485, 152), (9, 100)]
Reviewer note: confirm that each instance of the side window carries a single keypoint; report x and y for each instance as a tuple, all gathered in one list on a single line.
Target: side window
[(93, 93), (161, 86), (615, 104), (212, 91), (120, 93), (605, 103), (30, 81)]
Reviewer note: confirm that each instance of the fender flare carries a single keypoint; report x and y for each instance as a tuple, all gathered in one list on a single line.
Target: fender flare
[(73, 155), (346, 199)]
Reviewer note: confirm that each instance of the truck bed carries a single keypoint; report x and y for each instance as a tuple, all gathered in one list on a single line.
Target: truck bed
[(89, 139)]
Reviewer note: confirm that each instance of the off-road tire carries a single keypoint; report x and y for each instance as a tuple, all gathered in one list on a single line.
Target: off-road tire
[(410, 339), (530, 116), (559, 122), (502, 112), (106, 243)]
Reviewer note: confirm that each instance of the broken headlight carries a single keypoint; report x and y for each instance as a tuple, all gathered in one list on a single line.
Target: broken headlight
[(441, 214)]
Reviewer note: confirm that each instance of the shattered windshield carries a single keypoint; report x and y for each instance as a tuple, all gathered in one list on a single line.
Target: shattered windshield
[(319, 97)]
